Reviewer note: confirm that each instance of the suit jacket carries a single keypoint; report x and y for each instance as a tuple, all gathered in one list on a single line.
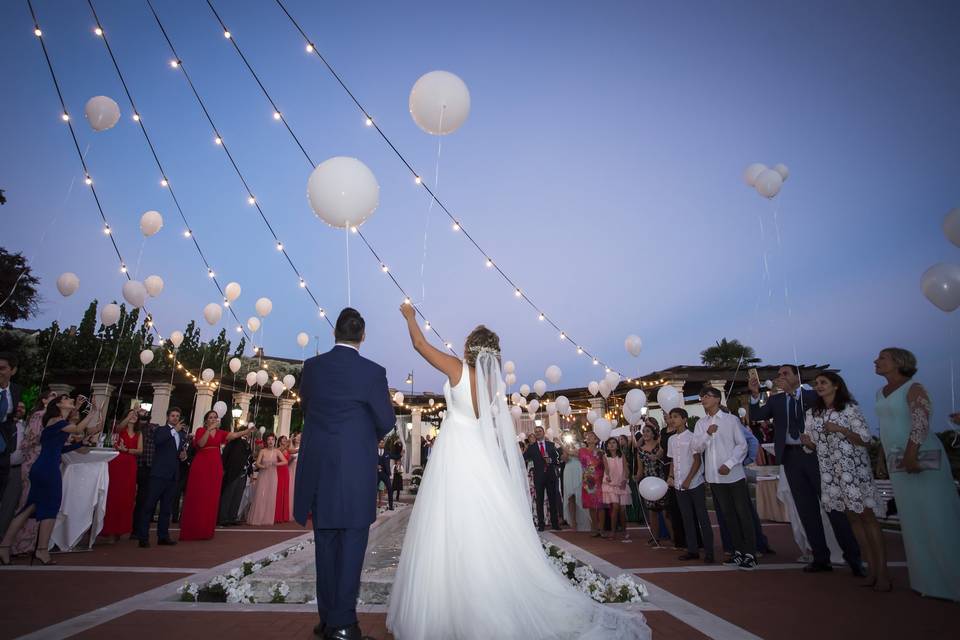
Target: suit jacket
[(532, 454), (166, 453), (8, 428), (383, 467), (776, 409), (346, 411)]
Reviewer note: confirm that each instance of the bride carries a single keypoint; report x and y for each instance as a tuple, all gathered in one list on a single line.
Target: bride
[(472, 565)]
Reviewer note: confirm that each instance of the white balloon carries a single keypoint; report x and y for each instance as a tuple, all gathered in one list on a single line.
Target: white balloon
[(102, 113), (941, 285), (533, 406), (176, 338), (303, 339), (439, 102), (134, 293), (551, 408), (343, 192), (398, 397), (509, 367), (612, 379), (752, 172), (782, 170), (540, 387), (553, 433), (769, 183), (516, 398), (563, 404), (652, 488), (951, 226), (289, 381), (110, 314), (669, 398), (742, 412), (523, 401), (602, 427), (768, 384), (553, 374), (67, 284), (212, 313), (431, 402), (262, 377), (633, 345), (605, 389), (264, 306), (593, 388), (634, 418), (220, 407), (206, 375), (516, 412), (235, 365), (510, 379), (150, 223), (592, 415), (524, 390), (253, 323), (251, 378), (146, 357), (620, 431), (153, 285), (636, 400), (231, 292), (262, 430), (276, 388)]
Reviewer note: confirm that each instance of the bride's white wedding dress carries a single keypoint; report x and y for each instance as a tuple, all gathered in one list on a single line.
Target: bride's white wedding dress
[(472, 566)]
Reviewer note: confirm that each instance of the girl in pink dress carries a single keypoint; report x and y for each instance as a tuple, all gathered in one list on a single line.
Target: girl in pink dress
[(263, 507), (591, 461), (616, 495)]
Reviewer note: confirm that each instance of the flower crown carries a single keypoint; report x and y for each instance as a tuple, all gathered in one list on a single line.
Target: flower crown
[(478, 349)]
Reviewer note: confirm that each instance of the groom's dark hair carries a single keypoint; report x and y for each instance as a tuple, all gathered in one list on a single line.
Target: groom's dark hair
[(350, 326)]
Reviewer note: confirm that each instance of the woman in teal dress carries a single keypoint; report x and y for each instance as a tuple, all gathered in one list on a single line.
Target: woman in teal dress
[(926, 497)]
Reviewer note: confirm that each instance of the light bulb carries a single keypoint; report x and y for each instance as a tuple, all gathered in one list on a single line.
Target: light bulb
[(302, 284), (449, 346), (323, 314), (136, 117), (106, 230), (251, 200), (384, 268), (65, 117), (489, 263), (517, 292), (541, 317), (187, 234), (276, 115), (417, 180), (174, 64), (98, 31), (353, 229), (37, 32), (210, 273), (164, 182), (226, 34), (456, 226), (563, 336), (309, 48), (123, 269), (595, 362), (88, 180), (406, 301), (579, 350), (426, 325), (279, 246), (218, 140), (369, 122), (239, 329)]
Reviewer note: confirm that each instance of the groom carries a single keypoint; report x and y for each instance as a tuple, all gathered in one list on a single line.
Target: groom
[(346, 412)]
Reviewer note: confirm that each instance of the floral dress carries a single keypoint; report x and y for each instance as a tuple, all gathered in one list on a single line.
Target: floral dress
[(653, 466), (592, 478), (846, 476)]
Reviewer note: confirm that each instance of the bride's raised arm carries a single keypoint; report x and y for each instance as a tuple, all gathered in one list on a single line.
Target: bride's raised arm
[(444, 362)]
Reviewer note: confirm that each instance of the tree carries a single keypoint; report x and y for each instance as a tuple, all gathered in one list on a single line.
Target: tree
[(19, 297), (728, 354)]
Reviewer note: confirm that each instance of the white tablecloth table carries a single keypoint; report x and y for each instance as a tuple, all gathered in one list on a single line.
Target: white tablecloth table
[(85, 483)]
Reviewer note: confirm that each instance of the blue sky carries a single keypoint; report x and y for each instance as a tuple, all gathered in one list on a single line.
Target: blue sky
[(600, 166)]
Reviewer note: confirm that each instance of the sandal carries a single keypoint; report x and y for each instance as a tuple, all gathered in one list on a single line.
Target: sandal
[(5, 558), (49, 561)]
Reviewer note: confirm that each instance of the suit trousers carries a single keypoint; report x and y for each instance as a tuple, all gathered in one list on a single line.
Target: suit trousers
[(143, 491), (763, 546), (385, 479), (692, 505), (230, 499), (162, 491), (10, 498), (734, 501), (339, 558), (547, 483), (803, 474)]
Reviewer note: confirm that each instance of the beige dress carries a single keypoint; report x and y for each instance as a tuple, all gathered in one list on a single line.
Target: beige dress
[(263, 507)]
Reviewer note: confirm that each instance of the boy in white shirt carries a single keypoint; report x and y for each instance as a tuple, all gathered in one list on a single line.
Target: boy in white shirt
[(719, 436), (687, 474)]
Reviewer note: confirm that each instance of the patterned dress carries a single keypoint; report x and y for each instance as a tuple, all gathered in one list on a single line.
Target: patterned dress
[(846, 478), (655, 467), (592, 479)]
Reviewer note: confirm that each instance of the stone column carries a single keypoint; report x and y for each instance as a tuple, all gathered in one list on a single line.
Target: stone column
[(553, 421), (242, 399), (415, 439), (100, 394), (598, 404), (161, 402), (202, 403), (286, 406), (61, 389)]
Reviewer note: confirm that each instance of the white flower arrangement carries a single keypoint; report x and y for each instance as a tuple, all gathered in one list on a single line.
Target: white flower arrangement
[(188, 591), (240, 593), (229, 587), (623, 588), (279, 592)]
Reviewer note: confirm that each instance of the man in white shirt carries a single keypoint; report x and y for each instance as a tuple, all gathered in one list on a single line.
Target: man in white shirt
[(687, 474), (719, 436)]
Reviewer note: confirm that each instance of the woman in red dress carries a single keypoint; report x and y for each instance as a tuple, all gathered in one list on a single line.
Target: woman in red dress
[(283, 484), (202, 500), (122, 491)]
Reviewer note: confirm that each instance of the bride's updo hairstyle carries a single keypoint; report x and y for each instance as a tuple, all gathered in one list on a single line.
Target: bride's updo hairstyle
[(480, 338)]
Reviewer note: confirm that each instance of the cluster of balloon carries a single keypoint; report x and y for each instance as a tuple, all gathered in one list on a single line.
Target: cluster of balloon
[(102, 113), (212, 313), (553, 374), (633, 345), (669, 398), (221, 408), (67, 284), (150, 223), (592, 415), (303, 339), (766, 181), (633, 406), (439, 102), (235, 365), (135, 293), (110, 314), (398, 397), (343, 192), (652, 488), (941, 282)]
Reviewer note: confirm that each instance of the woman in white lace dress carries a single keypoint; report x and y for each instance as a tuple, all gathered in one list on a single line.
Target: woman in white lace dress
[(837, 429)]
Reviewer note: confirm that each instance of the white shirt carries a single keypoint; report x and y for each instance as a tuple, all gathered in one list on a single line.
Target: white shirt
[(175, 434), (681, 450), (349, 346), (725, 446)]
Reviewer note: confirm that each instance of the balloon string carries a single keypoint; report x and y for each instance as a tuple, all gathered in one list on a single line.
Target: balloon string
[(173, 371), (97, 362), (116, 352), (53, 339), (953, 386), (223, 361), (136, 270), (426, 227), (346, 229), (140, 382), (126, 369)]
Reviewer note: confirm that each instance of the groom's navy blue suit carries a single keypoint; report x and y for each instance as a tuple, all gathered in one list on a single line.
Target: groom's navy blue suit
[(346, 411)]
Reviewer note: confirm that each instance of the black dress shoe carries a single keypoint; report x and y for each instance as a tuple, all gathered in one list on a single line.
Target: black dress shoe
[(144, 544), (817, 567), (858, 571), (320, 629), (344, 633), (166, 542)]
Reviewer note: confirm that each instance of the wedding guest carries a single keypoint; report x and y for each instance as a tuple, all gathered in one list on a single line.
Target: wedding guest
[(263, 506), (122, 490), (190, 450), (787, 410), (650, 464), (9, 397), (10, 497), (720, 438), (235, 460), (397, 478), (169, 450), (383, 474), (546, 461), (591, 490), (927, 500), (294, 451), (837, 430), (753, 450), (46, 483), (673, 426), (687, 479), (282, 513), (144, 466), (616, 494), (26, 539), (576, 516)]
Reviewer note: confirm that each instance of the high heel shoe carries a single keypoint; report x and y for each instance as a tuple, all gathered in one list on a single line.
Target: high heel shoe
[(5, 557)]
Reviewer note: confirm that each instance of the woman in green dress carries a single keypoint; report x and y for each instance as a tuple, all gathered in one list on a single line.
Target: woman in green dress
[(923, 486)]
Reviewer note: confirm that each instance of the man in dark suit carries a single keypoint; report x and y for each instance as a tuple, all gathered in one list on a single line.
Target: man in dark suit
[(788, 410), (346, 411), (169, 450), (383, 472), (546, 465), (9, 398)]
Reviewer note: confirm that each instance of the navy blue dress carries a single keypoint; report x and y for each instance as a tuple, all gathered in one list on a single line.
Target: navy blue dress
[(46, 483)]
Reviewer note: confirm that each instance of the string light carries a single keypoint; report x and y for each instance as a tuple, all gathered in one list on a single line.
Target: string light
[(276, 115), (541, 317), (136, 117), (417, 180), (251, 200), (517, 292), (88, 180), (226, 34), (174, 64), (279, 246), (309, 48), (187, 233), (218, 140), (163, 182), (98, 31), (37, 32)]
